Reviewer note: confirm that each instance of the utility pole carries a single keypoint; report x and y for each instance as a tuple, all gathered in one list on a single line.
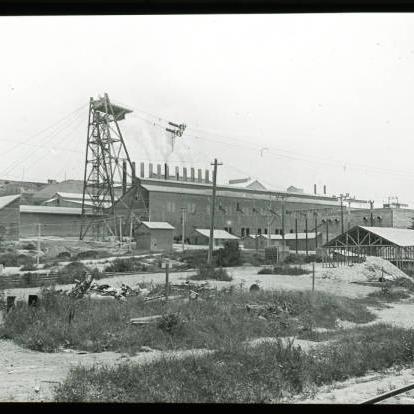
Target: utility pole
[(371, 207), (316, 229), (306, 233), (296, 233), (130, 234), (38, 243), (342, 214), (327, 230), (268, 222), (212, 212), (183, 227), (120, 230), (283, 220)]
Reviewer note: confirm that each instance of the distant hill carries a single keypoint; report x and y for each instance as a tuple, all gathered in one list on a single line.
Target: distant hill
[(68, 186)]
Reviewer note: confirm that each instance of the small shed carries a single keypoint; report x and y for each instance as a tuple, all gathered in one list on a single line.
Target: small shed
[(202, 237), (155, 236)]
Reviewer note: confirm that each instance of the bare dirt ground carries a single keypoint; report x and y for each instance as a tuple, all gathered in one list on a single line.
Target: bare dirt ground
[(29, 376)]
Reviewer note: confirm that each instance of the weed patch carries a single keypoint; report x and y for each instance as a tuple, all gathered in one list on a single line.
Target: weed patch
[(265, 374), (211, 273), (283, 270)]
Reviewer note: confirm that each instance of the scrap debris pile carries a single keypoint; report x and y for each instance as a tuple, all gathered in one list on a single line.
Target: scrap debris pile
[(89, 287), (269, 310), (374, 268)]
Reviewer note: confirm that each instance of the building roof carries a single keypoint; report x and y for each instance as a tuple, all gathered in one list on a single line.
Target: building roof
[(51, 210), (76, 196), (218, 234), (158, 225), (231, 191), (70, 186), (290, 236), (400, 237), (6, 200)]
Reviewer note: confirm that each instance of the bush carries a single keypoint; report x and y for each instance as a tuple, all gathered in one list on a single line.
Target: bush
[(29, 246), (72, 271), (28, 267), (63, 255), (294, 258), (88, 254), (210, 272), (283, 270), (126, 265), (229, 255)]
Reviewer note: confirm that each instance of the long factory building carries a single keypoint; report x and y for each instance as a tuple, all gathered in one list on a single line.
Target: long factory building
[(243, 207)]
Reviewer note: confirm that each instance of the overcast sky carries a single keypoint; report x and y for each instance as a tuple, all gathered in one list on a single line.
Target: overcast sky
[(330, 96)]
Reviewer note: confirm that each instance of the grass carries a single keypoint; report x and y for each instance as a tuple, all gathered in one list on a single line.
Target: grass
[(213, 322), (130, 265), (264, 374), (283, 270)]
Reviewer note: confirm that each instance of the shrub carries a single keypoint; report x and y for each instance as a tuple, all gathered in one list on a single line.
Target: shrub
[(210, 272), (126, 265), (63, 255), (29, 246), (283, 270), (170, 322), (87, 254), (28, 267), (229, 255), (72, 271)]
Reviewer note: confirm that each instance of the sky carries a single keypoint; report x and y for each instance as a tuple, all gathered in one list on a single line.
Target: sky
[(296, 99)]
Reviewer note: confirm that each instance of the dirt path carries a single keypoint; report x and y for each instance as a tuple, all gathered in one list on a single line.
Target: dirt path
[(27, 375), (357, 390)]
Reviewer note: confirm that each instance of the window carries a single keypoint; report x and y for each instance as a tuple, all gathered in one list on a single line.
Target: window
[(291, 230), (242, 231), (191, 208), (259, 231), (247, 231), (171, 206), (276, 231), (265, 231)]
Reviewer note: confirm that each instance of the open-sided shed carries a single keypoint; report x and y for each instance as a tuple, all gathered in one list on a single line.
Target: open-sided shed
[(395, 245)]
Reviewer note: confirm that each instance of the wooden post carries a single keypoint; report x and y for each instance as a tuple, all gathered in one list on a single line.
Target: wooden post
[(130, 234), (306, 233), (120, 230), (296, 233), (167, 285), (38, 243), (212, 212), (313, 276), (183, 227)]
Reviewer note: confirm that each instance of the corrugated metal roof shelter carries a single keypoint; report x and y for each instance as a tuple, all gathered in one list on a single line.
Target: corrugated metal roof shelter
[(9, 217), (202, 236), (159, 225), (393, 244), (6, 200)]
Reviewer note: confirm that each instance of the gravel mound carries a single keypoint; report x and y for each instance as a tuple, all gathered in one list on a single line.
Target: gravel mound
[(372, 269)]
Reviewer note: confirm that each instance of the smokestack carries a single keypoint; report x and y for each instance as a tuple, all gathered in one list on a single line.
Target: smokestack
[(200, 175), (324, 189), (177, 173), (151, 170), (185, 173), (314, 189), (207, 175), (166, 172), (133, 174), (158, 170), (124, 176), (142, 172), (192, 174)]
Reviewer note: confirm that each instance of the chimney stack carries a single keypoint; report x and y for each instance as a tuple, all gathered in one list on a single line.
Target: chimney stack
[(192, 174), (324, 189), (200, 175), (151, 170), (166, 171), (142, 173), (314, 189), (177, 173), (133, 174), (185, 173), (158, 170), (124, 176), (207, 175)]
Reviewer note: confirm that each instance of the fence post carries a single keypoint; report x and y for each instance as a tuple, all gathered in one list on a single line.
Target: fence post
[(313, 276), (167, 271)]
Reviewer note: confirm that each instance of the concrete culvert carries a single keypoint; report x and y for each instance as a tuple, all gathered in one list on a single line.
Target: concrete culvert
[(254, 288)]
